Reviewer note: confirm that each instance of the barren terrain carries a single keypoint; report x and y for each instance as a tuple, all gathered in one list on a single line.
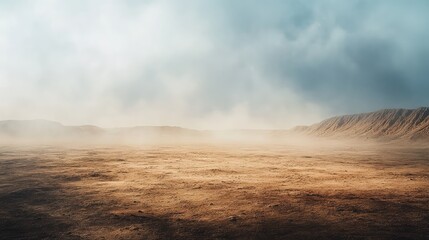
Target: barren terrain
[(215, 191), (383, 124)]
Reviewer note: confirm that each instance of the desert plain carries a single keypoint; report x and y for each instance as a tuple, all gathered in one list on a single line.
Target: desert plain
[(352, 190)]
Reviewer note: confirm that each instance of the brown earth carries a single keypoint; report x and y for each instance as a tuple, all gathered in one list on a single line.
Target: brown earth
[(386, 124), (266, 191)]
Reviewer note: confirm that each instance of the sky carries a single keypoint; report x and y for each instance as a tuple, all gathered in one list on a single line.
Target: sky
[(210, 64)]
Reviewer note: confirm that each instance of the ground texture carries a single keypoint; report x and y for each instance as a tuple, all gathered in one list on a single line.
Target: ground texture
[(234, 191)]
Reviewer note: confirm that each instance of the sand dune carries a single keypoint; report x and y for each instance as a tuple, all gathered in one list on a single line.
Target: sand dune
[(387, 124)]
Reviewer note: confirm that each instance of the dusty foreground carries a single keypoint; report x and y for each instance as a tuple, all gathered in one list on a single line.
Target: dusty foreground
[(215, 192)]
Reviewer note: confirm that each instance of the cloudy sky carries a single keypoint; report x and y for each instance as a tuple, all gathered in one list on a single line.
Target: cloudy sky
[(210, 64)]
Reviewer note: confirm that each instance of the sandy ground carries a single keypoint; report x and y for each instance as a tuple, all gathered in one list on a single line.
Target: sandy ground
[(215, 192)]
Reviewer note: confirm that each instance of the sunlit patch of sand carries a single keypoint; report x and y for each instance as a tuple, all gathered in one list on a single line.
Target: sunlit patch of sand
[(215, 191)]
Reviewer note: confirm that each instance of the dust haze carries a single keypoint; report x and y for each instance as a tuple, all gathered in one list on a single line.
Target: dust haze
[(86, 182), (210, 65), (215, 190), (162, 119)]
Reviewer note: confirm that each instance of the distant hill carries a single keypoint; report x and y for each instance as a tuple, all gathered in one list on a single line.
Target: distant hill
[(45, 130), (48, 130), (388, 123), (412, 124)]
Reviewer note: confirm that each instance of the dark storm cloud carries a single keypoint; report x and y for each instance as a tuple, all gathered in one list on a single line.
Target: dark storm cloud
[(348, 56), (211, 64)]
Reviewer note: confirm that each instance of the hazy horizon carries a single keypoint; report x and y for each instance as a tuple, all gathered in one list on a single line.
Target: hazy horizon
[(212, 64), (200, 129), (214, 119)]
